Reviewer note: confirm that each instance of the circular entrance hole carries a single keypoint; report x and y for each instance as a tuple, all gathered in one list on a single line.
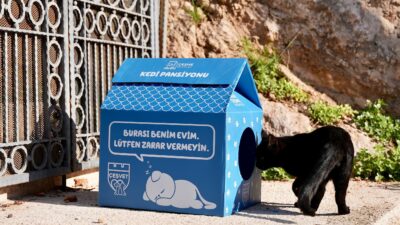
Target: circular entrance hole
[(247, 153)]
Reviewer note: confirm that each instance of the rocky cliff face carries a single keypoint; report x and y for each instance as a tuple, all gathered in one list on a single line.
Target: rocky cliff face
[(349, 49)]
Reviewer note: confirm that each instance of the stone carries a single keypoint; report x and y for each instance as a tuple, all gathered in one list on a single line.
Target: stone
[(280, 120), (273, 30), (188, 6), (203, 3), (70, 198), (360, 139)]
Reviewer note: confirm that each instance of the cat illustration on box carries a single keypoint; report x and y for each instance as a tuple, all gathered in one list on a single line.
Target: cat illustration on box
[(163, 190), (313, 158)]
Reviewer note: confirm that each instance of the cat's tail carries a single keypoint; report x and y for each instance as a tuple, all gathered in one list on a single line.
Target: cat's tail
[(319, 174), (207, 204)]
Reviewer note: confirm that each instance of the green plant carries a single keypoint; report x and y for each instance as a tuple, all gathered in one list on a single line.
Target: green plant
[(195, 13), (381, 165), (275, 174), (374, 122), (285, 90), (265, 66), (326, 114)]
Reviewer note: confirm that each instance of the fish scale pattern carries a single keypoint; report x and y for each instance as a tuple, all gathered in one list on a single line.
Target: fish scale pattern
[(168, 98)]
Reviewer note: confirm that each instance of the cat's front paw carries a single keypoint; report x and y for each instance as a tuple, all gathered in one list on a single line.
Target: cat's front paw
[(344, 210), (163, 201)]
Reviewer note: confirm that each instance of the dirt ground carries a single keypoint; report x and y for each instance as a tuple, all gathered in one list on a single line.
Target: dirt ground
[(370, 203)]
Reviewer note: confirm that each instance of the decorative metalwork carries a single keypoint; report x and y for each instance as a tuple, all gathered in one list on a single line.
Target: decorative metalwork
[(57, 59), (34, 90), (103, 34)]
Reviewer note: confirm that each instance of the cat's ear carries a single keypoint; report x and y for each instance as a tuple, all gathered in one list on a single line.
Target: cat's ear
[(155, 176), (264, 133)]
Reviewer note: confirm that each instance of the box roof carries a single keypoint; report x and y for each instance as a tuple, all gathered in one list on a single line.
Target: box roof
[(168, 98), (180, 85), (180, 71)]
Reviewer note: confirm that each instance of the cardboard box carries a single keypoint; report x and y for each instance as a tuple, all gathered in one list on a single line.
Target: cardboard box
[(180, 135)]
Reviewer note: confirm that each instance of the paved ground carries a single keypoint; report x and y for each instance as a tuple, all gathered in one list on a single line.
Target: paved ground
[(371, 203)]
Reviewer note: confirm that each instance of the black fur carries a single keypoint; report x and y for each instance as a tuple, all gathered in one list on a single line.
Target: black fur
[(313, 158)]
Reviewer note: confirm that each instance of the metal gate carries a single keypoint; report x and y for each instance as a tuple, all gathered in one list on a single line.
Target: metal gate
[(57, 59)]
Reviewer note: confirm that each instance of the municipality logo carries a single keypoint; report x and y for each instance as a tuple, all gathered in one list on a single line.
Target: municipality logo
[(118, 177), (173, 65)]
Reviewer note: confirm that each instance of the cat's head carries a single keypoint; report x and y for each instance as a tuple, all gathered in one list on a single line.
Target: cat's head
[(159, 185), (268, 151)]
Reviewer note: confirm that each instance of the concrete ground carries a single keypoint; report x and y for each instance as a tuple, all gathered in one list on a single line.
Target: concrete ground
[(370, 203)]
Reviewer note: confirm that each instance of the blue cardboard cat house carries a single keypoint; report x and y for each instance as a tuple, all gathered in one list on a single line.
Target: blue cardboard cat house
[(180, 135)]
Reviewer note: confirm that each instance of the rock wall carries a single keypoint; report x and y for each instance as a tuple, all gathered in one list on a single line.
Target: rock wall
[(349, 49), (217, 35)]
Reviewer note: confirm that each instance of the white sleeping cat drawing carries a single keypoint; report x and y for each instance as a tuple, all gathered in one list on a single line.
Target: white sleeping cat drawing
[(163, 190)]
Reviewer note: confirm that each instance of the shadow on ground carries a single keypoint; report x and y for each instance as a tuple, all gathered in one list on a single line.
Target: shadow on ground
[(265, 209)]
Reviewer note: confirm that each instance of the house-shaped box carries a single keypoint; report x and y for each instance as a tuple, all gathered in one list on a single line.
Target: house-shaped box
[(180, 135)]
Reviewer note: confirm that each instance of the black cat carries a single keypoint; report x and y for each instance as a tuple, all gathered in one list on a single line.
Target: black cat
[(313, 158)]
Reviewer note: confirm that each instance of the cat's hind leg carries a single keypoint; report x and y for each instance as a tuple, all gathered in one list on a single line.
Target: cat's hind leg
[(316, 200), (196, 204), (317, 176), (341, 177)]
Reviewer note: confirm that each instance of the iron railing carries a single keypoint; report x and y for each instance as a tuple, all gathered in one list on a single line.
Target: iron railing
[(57, 59)]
